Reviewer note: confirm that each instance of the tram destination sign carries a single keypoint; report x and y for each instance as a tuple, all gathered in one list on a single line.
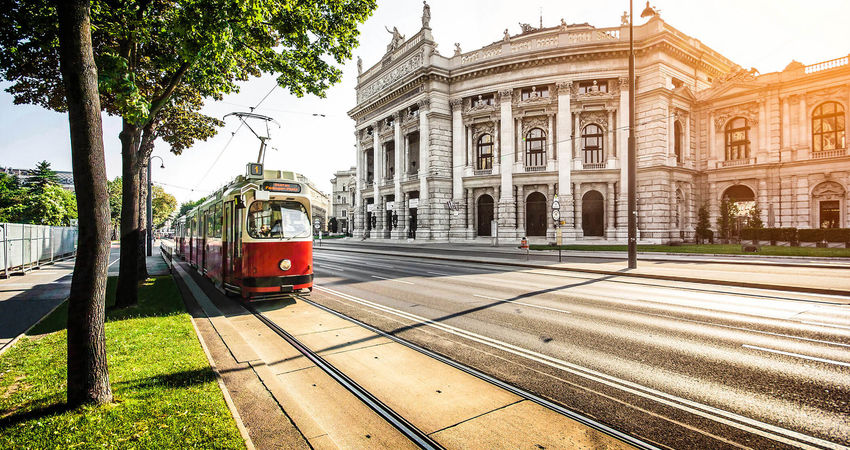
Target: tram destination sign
[(276, 186)]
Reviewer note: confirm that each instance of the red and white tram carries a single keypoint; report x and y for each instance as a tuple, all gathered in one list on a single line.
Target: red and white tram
[(252, 238)]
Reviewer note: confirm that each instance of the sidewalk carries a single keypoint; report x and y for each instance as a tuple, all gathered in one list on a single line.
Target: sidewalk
[(815, 279)]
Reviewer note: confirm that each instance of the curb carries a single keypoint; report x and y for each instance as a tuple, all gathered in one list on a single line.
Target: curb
[(802, 289), (226, 393), (11, 343)]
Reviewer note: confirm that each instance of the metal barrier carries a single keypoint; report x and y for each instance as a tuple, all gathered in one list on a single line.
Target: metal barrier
[(166, 248), (24, 247)]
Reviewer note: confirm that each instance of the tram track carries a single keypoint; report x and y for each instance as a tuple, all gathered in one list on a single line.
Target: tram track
[(405, 427), (410, 431)]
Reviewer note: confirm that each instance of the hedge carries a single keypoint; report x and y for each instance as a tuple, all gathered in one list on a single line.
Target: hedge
[(796, 235)]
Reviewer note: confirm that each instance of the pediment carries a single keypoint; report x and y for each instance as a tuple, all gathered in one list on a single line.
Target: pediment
[(731, 90)]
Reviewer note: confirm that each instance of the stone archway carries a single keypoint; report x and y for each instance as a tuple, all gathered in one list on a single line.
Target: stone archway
[(485, 215), (593, 214), (535, 214)]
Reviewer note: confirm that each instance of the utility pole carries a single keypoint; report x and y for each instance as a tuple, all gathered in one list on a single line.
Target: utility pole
[(632, 222)]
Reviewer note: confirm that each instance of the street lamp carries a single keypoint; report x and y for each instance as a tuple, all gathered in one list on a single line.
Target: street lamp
[(150, 204), (632, 175)]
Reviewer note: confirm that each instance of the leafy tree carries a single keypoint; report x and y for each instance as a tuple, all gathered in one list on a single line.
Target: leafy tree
[(11, 195), (754, 217), (41, 177), (703, 230), (167, 55), (114, 189), (88, 374), (52, 206), (728, 211), (163, 205), (185, 207)]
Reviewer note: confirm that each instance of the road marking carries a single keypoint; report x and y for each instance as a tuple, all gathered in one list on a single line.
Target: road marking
[(718, 415), (826, 325), (390, 279), (322, 266), (439, 273), (812, 358), (522, 303), (113, 262)]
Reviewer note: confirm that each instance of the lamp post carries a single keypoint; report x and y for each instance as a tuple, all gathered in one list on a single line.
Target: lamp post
[(150, 204), (632, 157)]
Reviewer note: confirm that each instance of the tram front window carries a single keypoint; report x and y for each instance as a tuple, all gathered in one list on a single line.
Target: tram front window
[(278, 219)]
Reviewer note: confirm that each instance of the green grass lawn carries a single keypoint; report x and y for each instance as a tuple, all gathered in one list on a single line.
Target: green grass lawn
[(725, 249), (166, 394)]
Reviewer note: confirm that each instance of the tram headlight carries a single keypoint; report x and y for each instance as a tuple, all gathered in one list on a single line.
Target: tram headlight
[(285, 265)]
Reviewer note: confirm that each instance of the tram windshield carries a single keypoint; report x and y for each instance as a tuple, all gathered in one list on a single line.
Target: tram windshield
[(278, 219)]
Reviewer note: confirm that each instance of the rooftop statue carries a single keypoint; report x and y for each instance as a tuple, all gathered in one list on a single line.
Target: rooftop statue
[(359, 65), (426, 15), (397, 39), (457, 49)]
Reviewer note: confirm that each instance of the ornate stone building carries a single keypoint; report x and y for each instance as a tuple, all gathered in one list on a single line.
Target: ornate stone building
[(344, 185), (445, 145)]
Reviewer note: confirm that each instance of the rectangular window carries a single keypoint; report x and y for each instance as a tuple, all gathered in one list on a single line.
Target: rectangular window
[(592, 86), (830, 216), (542, 92)]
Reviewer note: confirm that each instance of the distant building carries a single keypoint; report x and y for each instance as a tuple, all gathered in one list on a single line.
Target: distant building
[(344, 185), (448, 145), (66, 179), (319, 201)]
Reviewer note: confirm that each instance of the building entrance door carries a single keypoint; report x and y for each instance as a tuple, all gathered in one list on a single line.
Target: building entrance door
[(485, 214), (592, 214), (411, 226), (535, 214)]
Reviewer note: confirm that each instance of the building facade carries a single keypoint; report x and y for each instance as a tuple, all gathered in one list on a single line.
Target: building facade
[(483, 142), (344, 185), (319, 203)]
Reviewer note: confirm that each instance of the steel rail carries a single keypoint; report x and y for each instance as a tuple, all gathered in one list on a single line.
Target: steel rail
[(406, 428), (598, 426)]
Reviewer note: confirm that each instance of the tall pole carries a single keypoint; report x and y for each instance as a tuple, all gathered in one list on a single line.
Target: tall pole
[(632, 213), (150, 211)]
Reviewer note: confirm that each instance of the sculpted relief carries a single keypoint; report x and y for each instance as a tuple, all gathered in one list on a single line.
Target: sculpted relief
[(409, 65)]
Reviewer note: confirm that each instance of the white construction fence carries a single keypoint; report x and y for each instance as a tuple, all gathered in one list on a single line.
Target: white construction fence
[(24, 247)]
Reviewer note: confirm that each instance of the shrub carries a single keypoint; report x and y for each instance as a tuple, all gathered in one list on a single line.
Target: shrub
[(751, 234), (810, 235), (836, 234), (703, 230)]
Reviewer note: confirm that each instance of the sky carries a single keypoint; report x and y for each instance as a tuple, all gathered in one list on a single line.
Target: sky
[(762, 34)]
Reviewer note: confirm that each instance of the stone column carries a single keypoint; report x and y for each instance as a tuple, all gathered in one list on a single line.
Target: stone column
[(713, 207), (565, 156), (456, 223), (671, 136), (470, 213), (610, 148), (397, 232), (622, 157), (403, 213), (497, 146), (550, 222), (763, 124), (577, 140), (804, 125), (377, 171), (470, 151), (357, 220), (712, 142), (520, 210), (577, 193), (550, 135), (786, 122), (506, 201), (609, 211), (423, 229)]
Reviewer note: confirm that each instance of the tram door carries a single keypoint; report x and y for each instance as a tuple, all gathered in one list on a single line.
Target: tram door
[(206, 228), (227, 241)]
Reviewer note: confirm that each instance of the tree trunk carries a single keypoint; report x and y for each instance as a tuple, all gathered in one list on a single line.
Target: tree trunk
[(88, 374), (143, 218), (128, 271)]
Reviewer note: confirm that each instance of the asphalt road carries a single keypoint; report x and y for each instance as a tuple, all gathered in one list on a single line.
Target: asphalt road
[(681, 365)]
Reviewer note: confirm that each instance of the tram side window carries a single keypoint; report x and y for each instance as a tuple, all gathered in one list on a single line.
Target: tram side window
[(278, 219), (218, 221)]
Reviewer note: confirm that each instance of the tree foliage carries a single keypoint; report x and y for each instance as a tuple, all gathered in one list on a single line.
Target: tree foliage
[(728, 212), (185, 207), (40, 204), (41, 177), (703, 230), (163, 205), (754, 217)]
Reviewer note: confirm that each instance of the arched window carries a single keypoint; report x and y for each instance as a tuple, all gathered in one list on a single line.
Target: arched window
[(485, 152), (828, 127), (591, 144), (535, 148), (737, 139), (677, 140)]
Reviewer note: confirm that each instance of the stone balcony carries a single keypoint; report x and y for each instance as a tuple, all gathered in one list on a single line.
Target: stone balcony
[(736, 163), (837, 153)]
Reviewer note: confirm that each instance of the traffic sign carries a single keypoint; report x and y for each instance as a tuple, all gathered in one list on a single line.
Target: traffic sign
[(556, 205), (317, 223), (556, 215)]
